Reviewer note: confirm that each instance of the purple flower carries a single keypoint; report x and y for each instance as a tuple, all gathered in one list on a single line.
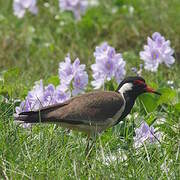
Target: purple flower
[(20, 6), (145, 133), (54, 95), (78, 7), (61, 96), (157, 51), (33, 101), (167, 53), (24, 106), (108, 65), (120, 70), (151, 58), (35, 97), (72, 76), (40, 97), (79, 83), (66, 71), (49, 93)]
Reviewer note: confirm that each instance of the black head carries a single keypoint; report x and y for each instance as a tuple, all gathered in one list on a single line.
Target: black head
[(134, 86)]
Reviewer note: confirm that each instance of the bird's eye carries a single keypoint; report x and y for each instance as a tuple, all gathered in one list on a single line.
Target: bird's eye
[(138, 82)]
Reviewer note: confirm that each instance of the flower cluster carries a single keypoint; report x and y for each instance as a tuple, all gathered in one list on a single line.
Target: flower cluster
[(20, 7), (73, 76), (41, 96), (157, 51), (108, 65), (145, 133), (70, 75), (78, 7)]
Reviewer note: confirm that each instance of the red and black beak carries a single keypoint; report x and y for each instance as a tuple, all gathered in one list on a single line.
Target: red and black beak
[(151, 90)]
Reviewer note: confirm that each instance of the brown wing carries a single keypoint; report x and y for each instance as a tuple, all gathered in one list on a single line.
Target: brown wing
[(91, 107)]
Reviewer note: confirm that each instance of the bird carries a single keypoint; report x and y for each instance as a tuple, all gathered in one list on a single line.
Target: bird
[(92, 112)]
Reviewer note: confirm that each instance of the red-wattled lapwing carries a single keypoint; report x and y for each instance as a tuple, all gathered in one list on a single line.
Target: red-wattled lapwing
[(92, 112)]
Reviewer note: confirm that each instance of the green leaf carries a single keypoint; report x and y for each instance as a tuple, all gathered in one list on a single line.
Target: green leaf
[(177, 106), (1, 98), (151, 119), (1, 84), (53, 80), (166, 129), (110, 85), (11, 75), (149, 101), (167, 96), (119, 2)]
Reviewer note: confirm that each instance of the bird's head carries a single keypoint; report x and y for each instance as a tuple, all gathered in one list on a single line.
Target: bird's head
[(134, 86)]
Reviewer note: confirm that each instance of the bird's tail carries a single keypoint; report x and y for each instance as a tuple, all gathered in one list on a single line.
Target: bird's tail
[(31, 117), (42, 115)]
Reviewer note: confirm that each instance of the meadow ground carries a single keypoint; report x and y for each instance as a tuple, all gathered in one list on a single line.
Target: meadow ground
[(31, 49)]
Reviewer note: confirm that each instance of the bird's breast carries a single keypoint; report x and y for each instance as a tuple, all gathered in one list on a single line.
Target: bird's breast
[(112, 121)]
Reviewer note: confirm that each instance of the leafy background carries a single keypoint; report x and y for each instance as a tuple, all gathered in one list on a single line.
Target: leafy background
[(31, 49)]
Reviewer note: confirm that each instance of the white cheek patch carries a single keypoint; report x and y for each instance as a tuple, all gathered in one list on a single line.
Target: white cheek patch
[(126, 87)]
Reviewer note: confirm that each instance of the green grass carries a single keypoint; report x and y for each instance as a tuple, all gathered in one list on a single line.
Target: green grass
[(31, 48)]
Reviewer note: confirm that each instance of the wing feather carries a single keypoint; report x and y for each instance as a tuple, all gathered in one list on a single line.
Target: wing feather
[(92, 108)]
